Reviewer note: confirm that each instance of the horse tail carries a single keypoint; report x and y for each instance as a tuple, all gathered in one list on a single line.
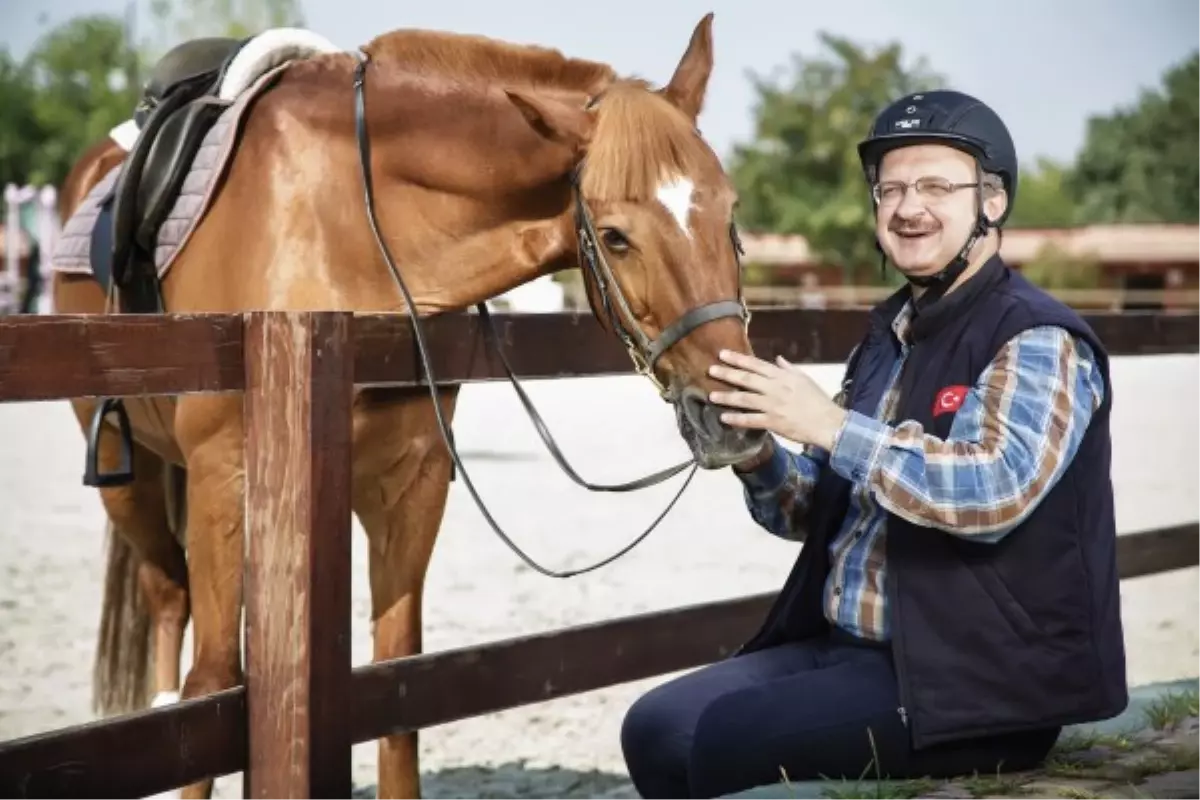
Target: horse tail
[(121, 671)]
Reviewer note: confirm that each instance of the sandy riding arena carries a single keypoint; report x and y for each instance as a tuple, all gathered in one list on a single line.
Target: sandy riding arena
[(51, 561)]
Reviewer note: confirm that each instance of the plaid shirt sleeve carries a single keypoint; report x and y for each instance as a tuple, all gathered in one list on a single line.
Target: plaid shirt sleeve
[(779, 492), (1011, 440)]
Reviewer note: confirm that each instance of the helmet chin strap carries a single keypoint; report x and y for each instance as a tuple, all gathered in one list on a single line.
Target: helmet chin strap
[(939, 283)]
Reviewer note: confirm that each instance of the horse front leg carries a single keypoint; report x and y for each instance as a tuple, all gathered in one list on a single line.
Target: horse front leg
[(210, 433), (401, 481)]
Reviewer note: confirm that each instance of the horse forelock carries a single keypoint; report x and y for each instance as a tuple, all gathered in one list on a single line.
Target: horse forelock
[(641, 141)]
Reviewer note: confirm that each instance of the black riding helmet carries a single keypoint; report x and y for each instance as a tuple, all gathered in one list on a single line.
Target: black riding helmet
[(956, 120)]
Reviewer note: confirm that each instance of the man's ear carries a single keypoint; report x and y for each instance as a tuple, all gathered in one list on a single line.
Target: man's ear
[(554, 119), (994, 203), (690, 82)]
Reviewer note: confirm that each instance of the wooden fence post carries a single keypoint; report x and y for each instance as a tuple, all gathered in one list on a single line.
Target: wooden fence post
[(299, 386)]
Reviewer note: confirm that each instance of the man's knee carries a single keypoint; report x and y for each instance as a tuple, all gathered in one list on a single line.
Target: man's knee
[(650, 728), (724, 755), (655, 741)]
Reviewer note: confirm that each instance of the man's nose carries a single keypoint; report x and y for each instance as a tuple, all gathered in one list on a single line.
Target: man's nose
[(910, 205)]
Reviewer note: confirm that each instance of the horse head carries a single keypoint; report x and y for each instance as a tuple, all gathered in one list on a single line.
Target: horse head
[(653, 219)]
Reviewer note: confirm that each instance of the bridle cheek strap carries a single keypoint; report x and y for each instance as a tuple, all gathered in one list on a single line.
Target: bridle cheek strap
[(643, 351)]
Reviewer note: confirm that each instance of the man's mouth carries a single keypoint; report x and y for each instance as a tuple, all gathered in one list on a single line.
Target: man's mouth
[(914, 234)]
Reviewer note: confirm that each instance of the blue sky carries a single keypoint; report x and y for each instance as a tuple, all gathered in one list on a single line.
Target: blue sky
[(1045, 65)]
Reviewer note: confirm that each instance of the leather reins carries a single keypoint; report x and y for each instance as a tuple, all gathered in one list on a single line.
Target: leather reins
[(644, 351)]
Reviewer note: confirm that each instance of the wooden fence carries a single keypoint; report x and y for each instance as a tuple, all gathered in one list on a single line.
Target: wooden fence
[(291, 726)]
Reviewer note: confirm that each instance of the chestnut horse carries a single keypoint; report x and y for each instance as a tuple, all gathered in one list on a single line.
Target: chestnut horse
[(485, 157)]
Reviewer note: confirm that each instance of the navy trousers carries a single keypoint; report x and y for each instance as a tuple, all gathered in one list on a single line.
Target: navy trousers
[(817, 709)]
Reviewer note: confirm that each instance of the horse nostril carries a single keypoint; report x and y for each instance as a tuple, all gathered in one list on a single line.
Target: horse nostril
[(694, 404), (704, 416), (712, 419)]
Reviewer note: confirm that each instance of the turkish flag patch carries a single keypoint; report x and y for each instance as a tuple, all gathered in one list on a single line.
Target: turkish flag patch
[(949, 400)]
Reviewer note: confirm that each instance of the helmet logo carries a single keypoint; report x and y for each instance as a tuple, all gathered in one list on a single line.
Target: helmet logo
[(907, 124), (910, 110)]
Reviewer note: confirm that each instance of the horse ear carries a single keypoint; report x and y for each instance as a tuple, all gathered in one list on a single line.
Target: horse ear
[(554, 119), (690, 82)]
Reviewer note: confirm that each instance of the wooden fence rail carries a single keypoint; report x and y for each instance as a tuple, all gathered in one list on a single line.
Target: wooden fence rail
[(57, 357), (291, 727)]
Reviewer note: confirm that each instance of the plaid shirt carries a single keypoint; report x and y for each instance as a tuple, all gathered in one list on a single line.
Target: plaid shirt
[(1010, 442)]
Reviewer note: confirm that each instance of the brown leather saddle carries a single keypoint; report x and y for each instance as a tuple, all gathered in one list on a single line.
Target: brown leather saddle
[(177, 107)]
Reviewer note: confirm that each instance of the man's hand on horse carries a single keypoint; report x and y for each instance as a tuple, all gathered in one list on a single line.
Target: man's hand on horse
[(779, 397)]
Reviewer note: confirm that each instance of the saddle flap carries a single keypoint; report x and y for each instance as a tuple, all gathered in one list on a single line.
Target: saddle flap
[(168, 162), (125, 192)]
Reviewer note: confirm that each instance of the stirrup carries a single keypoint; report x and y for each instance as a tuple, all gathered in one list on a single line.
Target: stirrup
[(123, 475)]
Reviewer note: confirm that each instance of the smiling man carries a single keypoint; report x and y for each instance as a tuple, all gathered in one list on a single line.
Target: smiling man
[(956, 599)]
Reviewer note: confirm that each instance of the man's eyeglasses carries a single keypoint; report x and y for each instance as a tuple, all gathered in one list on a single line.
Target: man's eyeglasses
[(929, 189)]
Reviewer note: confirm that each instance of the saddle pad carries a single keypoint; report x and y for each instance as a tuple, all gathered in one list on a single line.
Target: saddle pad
[(73, 247)]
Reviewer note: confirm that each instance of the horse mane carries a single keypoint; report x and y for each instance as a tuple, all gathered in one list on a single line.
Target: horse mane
[(640, 141), (640, 138), (472, 58)]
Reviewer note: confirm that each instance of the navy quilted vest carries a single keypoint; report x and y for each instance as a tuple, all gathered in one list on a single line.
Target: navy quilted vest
[(987, 638)]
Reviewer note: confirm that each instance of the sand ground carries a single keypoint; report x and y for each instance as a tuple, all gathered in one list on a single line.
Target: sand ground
[(51, 561)]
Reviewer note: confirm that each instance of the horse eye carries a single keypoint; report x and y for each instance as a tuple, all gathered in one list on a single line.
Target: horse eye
[(614, 240)]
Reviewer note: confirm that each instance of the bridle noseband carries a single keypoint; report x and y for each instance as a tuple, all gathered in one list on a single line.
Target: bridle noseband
[(644, 351)]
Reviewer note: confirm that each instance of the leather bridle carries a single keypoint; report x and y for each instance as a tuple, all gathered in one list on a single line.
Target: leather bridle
[(644, 352)]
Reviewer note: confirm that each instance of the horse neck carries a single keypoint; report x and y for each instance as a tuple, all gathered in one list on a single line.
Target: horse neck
[(470, 201), (457, 138)]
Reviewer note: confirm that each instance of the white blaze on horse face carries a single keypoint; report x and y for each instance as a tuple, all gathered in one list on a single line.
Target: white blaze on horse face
[(676, 195)]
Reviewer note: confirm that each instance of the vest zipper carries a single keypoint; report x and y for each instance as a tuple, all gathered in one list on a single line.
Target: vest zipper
[(898, 658)]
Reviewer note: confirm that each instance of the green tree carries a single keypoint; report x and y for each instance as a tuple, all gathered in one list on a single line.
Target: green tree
[(20, 133), (79, 76), (82, 78), (800, 173), (1141, 163), (1043, 200)]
